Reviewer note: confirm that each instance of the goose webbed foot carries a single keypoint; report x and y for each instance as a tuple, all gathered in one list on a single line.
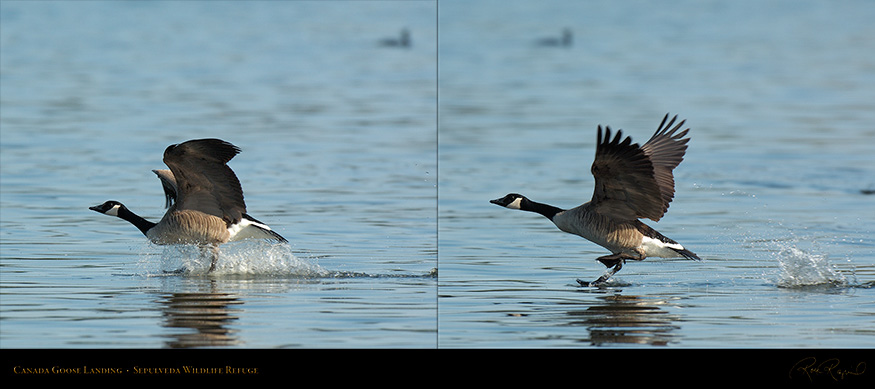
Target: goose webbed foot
[(615, 260), (604, 278)]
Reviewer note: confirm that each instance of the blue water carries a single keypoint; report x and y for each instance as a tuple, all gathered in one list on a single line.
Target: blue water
[(780, 99), (377, 163), (338, 140)]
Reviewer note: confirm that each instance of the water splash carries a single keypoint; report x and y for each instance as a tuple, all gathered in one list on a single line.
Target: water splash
[(803, 269), (250, 257)]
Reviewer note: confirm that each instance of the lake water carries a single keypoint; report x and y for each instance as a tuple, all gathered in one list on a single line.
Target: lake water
[(377, 163), (338, 137), (780, 99)]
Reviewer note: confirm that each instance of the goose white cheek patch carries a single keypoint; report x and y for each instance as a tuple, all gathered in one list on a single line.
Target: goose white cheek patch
[(516, 204), (112, 211)]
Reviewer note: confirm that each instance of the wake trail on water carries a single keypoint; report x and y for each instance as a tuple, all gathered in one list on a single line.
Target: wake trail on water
[(251, 258), (804, 262), (800, 268)]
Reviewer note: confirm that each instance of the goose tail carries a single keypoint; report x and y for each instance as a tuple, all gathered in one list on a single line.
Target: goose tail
[(687, 254)]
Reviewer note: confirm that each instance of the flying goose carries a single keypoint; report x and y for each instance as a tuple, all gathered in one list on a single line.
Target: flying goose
[(204, 200), (631, 182)]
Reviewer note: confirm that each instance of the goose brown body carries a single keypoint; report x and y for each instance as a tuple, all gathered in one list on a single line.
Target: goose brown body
[(189, 227)]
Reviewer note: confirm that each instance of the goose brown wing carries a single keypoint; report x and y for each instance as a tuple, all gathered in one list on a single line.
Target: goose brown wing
[(624, 185), (204, 182), (633, 181), (666, 149), (168, 182)]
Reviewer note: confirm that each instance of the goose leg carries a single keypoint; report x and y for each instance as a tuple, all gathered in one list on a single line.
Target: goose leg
[(615, 260), (214, 254), (604, 277)]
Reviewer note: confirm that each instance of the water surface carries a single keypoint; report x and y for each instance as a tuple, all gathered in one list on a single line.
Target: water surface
[(771, 194), (338, 140), (343, 155)]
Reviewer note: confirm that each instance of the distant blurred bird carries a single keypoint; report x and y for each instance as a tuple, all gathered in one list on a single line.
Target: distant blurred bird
[(402, 41), (564, 41)]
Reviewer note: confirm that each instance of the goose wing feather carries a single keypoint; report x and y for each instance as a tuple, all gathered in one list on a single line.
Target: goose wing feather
[(633, 181), (666, 149), (204, 182), (168, 182)]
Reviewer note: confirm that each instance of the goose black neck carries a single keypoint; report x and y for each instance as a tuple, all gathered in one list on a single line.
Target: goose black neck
[(546, 210), (142, 224)]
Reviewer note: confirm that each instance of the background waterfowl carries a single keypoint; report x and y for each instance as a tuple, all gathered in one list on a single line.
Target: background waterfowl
[(204, 200), (631, 182), (402, 41), (565, 40)]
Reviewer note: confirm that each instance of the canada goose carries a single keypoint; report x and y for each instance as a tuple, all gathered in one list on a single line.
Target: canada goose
[(403, 41), (631, 182), (204, 200), (564, 41)]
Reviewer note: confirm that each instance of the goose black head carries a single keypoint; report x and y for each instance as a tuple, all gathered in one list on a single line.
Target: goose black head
[(110, 208), (512, 201)]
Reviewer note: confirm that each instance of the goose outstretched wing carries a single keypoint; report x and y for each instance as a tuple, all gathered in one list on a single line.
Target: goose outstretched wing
[(204, 182), (633, 181)]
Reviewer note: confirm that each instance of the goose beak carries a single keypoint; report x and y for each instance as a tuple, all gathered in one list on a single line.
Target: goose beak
[(95, 208), (496, 201)]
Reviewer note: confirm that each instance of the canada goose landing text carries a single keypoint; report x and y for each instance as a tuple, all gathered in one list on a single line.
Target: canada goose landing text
[(631, 182), (204, 200)]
